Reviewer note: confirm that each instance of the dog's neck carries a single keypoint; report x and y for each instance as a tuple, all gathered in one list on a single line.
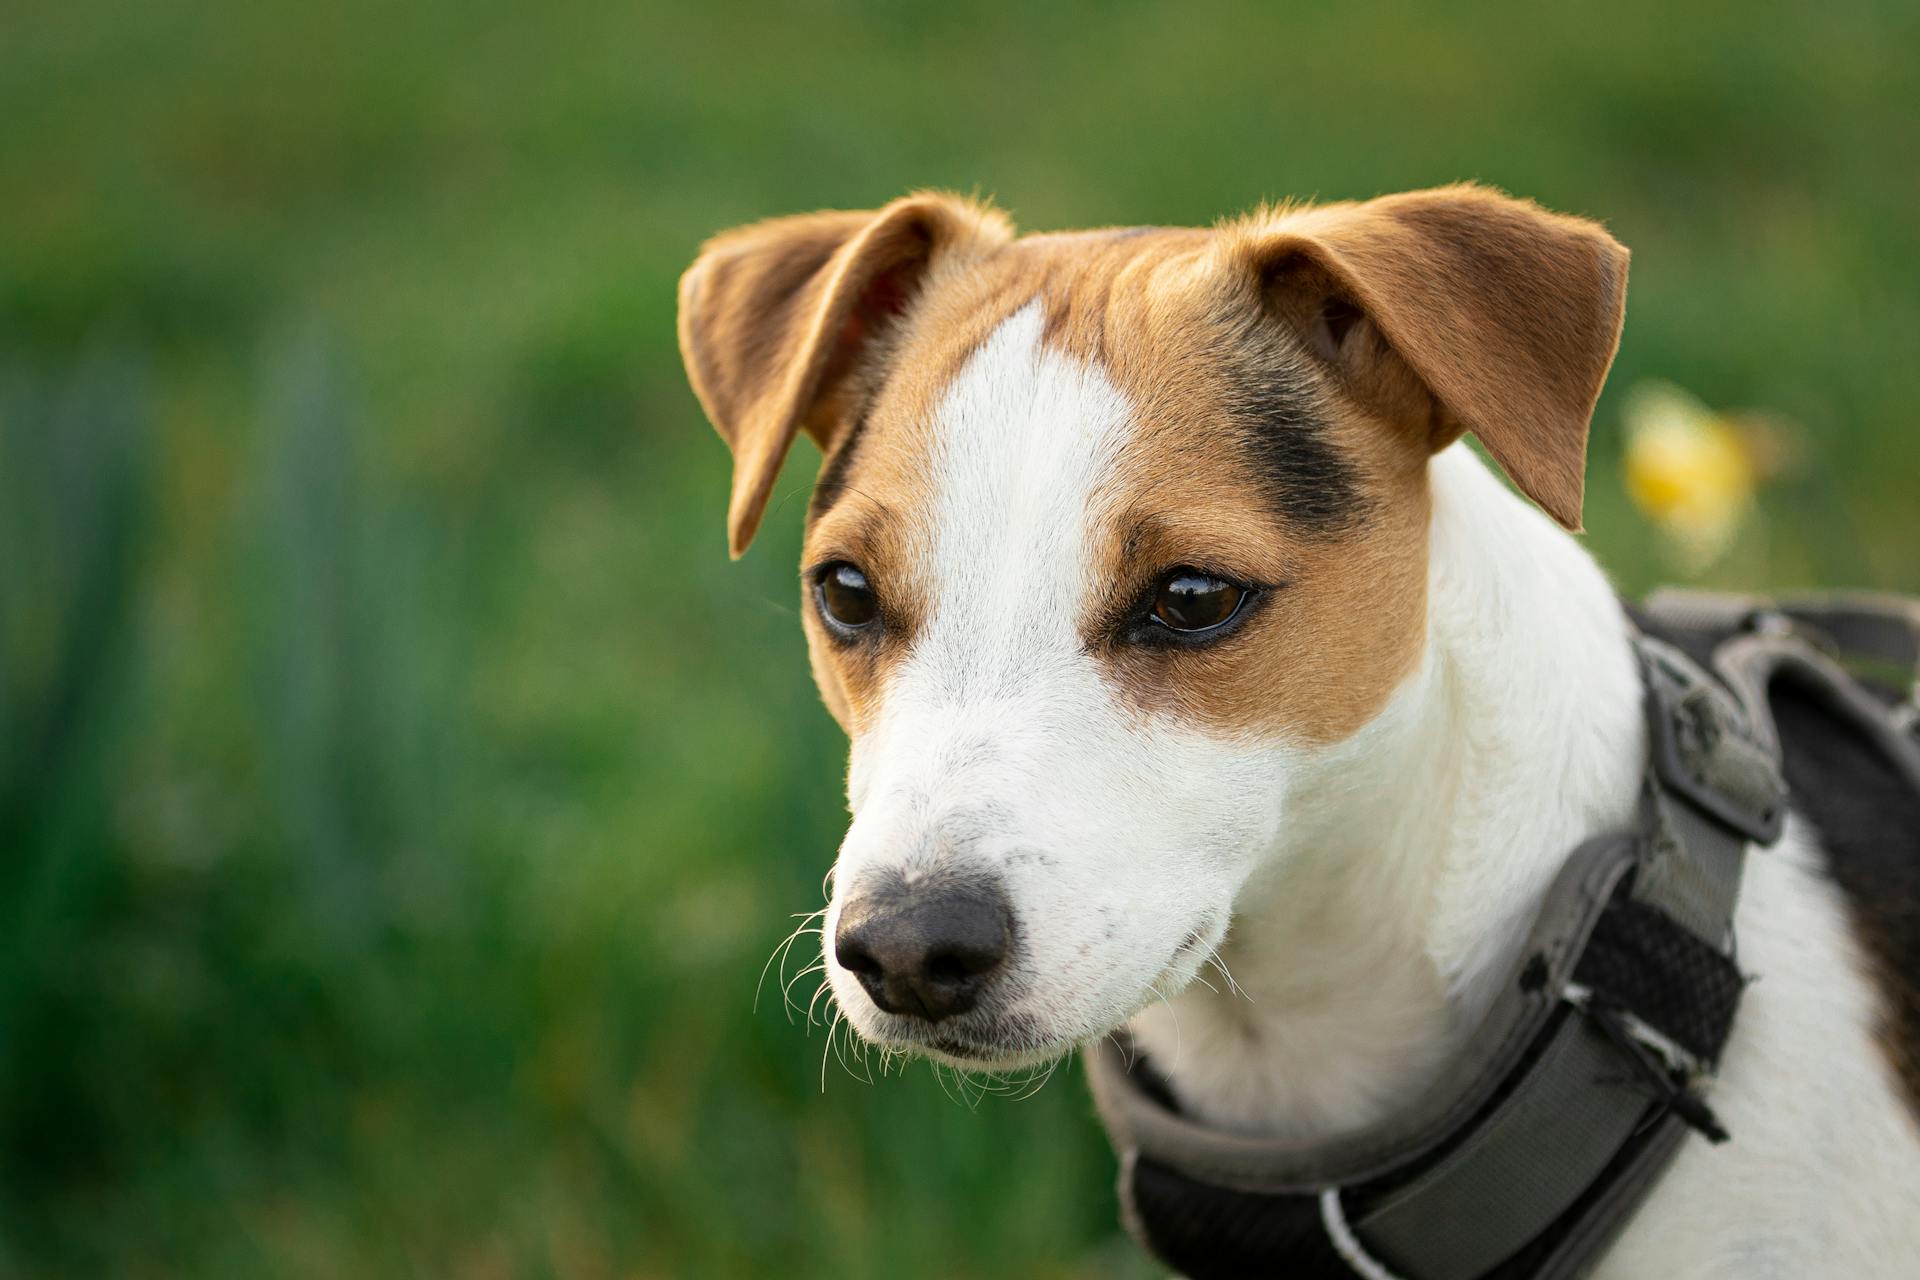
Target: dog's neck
[(1415, 854)]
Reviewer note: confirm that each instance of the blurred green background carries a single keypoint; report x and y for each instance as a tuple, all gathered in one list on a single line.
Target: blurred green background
[(399, 790)]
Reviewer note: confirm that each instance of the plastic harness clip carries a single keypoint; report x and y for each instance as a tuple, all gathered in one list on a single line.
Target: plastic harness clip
[(1691, 722)]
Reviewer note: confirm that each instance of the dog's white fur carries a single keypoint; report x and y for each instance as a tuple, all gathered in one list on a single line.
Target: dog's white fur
[(1366, 897)]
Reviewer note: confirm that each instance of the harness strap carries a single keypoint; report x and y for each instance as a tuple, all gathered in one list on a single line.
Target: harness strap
[(1876, 635), (1714, 785), (1858, 652), (1518, 1170)]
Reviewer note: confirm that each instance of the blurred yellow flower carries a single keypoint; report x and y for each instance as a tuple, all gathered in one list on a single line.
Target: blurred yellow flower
[(1689, 469)]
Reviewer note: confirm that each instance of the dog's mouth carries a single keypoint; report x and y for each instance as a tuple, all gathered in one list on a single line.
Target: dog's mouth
[(996, 1043), (963, 1049)]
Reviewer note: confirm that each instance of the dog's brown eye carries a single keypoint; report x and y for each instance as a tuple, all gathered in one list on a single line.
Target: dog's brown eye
[(846, 597), (1189, 601)]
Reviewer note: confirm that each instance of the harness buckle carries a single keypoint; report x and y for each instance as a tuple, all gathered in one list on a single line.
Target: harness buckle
[(1702, 748)]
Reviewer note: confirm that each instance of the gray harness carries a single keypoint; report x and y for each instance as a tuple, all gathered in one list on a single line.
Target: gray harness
[(1532, 1150)]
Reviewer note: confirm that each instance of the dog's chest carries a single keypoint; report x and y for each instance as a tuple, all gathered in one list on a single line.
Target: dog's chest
[(1313, 1055)]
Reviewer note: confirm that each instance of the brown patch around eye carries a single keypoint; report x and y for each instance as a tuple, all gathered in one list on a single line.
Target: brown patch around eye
[(1309, 661), (861, 605), (1247, 464)]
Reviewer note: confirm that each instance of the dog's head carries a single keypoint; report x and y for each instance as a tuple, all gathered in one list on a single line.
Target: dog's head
[(1115, 531)]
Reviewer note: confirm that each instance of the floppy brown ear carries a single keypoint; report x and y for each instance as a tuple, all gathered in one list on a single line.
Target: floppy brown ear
[(774, 318), (1509, 314)]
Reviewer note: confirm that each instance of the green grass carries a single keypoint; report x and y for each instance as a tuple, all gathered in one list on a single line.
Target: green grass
[(399, 790)]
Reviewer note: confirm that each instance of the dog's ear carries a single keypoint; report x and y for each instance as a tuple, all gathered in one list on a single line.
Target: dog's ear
[(1507, 314), (775, 317)]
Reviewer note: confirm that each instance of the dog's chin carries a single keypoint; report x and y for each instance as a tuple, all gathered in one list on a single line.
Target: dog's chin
[(990, 1059), (984, 1048)]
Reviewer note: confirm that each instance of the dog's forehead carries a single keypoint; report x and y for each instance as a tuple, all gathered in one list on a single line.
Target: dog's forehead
[(1153, 312), (1118, 299), (1003, 396)]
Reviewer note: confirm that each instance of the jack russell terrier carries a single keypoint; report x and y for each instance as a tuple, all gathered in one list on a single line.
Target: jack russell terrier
[(1175, 626)]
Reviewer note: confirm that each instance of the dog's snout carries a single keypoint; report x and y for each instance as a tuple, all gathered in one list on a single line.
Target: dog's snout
[(926, 952)]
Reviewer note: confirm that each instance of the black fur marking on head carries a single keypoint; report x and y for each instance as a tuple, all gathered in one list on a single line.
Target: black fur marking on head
[(1280, 411), (1311, 484), (831, 483)]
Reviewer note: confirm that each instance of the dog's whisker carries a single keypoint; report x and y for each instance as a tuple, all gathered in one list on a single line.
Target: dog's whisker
[(824, 989), (785, 996), (839, 1045), (1175, 1015), (849, 1048), (853, 1041), (783, 948), (1038, 1079), (786, 985), (940, 1078), (1031, 1082), (793, 1006), (778, 953), (824, 1051), (1233, 986), (836, 1042)]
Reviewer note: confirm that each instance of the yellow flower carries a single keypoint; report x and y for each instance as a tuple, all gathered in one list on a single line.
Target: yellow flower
[(1688, 469)]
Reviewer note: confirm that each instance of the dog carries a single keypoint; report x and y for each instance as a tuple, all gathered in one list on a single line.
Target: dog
[(1176, 627)]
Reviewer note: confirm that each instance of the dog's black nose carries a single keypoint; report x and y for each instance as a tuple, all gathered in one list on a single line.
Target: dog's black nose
[(929, 951)]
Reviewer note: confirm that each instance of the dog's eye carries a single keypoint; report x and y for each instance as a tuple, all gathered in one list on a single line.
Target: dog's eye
[(845, 596), (1190, 601)]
